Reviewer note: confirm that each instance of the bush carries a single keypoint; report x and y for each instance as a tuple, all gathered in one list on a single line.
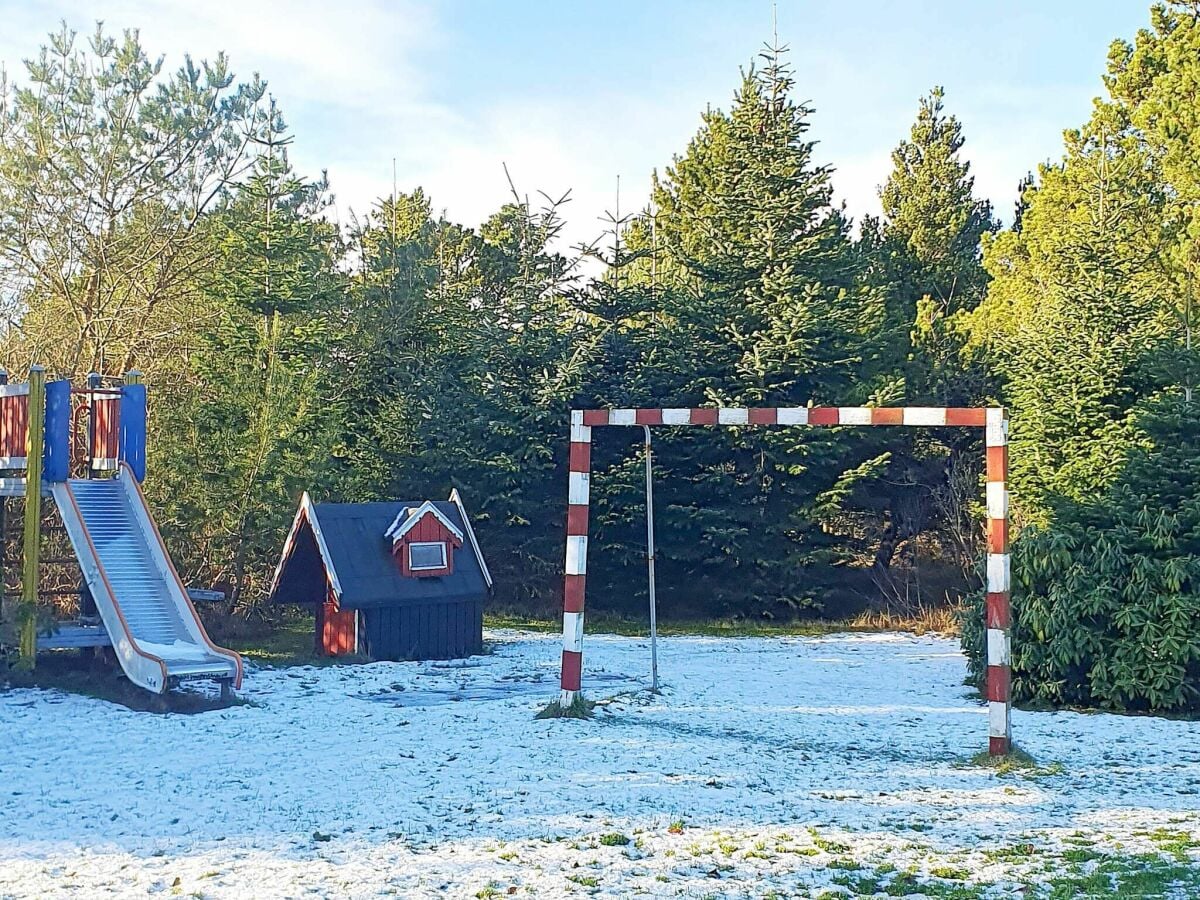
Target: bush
[(1106, 599)]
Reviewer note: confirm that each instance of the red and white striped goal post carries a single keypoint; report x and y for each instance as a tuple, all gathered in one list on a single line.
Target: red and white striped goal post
[(993, 420)]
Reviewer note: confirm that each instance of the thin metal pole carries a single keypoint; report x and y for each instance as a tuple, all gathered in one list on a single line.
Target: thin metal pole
[(650, 564), (93, 382)]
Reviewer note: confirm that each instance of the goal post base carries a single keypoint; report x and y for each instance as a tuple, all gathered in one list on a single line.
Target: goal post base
[(571, 705)]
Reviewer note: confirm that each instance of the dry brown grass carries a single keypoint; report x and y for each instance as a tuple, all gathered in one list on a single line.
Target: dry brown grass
[(928, 620)]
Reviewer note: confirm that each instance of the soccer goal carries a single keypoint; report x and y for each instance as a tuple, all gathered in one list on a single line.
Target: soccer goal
[(992, 420)]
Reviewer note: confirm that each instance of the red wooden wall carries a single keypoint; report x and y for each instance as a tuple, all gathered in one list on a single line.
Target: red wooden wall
[(335, 628), (14, 425), (428, 529), (107, 435)]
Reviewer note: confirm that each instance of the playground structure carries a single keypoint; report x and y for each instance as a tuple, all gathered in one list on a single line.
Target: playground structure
[(994, 422), (85, 449)]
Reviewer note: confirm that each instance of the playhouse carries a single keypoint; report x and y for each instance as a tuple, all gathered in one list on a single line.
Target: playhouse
[(394, 580)]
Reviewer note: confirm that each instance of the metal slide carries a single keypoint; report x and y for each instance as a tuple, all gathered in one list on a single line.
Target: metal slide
[(156, 634)]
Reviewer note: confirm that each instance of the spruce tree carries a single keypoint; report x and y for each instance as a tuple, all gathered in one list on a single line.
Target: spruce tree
[(756, 300), (924, 254), (253, 424), (931, 214), (1084, 295)]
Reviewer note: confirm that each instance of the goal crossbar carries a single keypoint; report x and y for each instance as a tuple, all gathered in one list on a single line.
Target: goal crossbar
[(993, 421)]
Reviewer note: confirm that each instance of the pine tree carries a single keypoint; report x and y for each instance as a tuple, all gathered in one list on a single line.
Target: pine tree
[(108, 167), (253, 426), (755, 300), (1084, 295), (924, 254), (931, 213)]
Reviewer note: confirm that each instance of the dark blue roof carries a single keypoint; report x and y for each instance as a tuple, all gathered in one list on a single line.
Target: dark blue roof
[(353, 534)]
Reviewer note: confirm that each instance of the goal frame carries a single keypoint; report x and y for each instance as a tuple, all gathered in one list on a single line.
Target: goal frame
[(993, 420)]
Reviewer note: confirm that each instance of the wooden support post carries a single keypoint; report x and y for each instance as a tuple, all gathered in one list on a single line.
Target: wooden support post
[(3, 554), (33, 515)]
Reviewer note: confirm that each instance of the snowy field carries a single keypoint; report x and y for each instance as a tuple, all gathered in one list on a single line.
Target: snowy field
[(767, 768)]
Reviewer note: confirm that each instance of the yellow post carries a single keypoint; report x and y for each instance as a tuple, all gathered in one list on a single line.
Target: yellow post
[(33, 515)]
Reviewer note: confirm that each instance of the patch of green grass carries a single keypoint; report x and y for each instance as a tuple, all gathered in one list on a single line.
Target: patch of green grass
[(580, 708), (950, 873), (901, 884), (614, 839), (1157, 878), (944, 882), (1177, 843), (829, 846), (610, 624), (1145, 875), (860, 885), (275, 643), (845, 863), (799, 851), (282, 644), (1011, 852), (1095, 884), (1015, 762), (585, 880)]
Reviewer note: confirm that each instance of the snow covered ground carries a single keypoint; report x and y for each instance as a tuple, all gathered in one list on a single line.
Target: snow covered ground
[(767, 767)]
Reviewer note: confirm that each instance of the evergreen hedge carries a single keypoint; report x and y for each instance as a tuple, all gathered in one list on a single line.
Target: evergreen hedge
[(1106, 598)]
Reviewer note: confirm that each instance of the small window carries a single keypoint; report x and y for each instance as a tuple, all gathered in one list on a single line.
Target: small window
[(427, 556)]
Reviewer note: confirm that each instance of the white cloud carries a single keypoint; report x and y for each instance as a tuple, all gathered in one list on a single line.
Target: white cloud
[(356, 84), (355, 59)]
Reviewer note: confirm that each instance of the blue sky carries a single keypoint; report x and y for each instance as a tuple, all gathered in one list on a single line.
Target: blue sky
[(572, 94)]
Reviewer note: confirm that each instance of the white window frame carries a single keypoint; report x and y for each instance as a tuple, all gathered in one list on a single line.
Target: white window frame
[(442, 565)]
